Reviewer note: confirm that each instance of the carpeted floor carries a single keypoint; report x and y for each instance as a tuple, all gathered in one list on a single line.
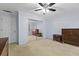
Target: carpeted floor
[(43, 47)]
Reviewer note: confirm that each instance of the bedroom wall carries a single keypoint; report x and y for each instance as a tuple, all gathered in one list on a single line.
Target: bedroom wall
[(69, 19)]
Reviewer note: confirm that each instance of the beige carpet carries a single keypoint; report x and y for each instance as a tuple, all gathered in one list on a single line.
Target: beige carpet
[(43, 47)]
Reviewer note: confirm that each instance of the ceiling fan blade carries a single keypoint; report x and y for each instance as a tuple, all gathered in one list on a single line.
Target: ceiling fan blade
[(51, 4), (52, 9), (38, 9), (41, 4)]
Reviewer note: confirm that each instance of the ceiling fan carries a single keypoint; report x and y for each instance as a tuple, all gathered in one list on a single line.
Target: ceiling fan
[(46, 7)]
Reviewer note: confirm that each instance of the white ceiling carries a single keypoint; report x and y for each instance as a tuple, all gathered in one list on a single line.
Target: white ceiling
[(18, 6), (30, 7)]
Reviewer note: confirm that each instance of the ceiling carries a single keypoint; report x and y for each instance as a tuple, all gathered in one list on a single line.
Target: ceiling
[(30, 7), (18, 6)]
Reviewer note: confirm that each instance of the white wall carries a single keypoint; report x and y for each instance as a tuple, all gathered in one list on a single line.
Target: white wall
[(8, 26), (23, 25), (23, 28), (69, 19)]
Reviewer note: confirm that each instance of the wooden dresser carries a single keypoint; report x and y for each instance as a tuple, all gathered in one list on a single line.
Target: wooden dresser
[(71, 36), (4, 46), (57, 37)]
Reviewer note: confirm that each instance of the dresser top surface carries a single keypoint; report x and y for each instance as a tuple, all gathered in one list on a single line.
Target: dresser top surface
[(70, 28)]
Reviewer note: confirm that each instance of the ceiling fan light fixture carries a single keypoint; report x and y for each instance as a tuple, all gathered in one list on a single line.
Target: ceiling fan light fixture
[(43, 10), (47, 11)]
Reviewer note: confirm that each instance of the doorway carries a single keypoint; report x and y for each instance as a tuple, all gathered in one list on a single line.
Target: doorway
[(35, 30)]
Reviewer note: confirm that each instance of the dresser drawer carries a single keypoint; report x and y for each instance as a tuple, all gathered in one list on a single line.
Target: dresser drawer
[(71, 36), (5, 50), (4, 46)]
